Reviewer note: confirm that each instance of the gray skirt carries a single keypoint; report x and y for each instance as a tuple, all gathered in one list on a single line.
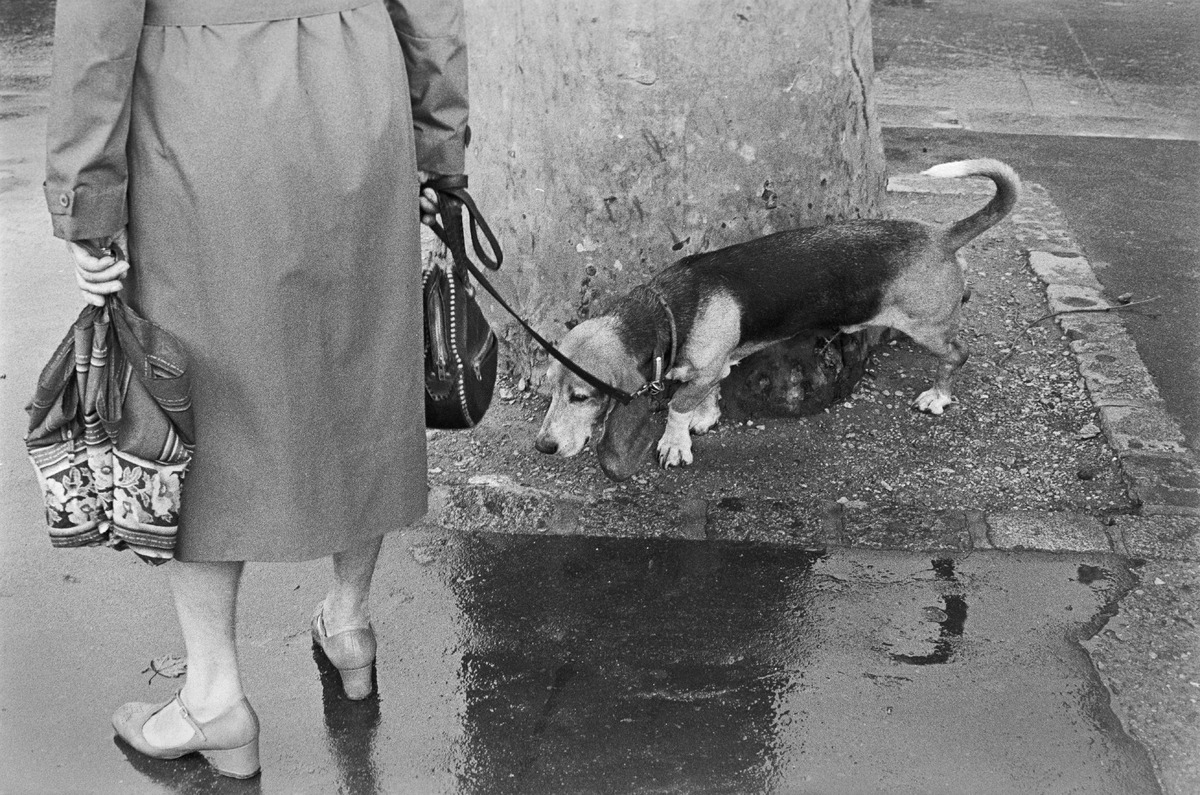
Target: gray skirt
[(273, 229)]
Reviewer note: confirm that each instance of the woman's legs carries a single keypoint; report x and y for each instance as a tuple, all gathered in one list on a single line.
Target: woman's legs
[(206, 602), (342, 626), (346, 605)]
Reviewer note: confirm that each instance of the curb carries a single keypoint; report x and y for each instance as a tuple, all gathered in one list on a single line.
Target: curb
[(1162, 474), (497, 504)]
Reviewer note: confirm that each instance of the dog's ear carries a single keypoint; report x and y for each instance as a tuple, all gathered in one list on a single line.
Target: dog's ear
[(625, 441)]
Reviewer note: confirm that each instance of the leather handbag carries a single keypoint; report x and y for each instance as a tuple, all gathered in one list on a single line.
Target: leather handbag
[(461, 349)]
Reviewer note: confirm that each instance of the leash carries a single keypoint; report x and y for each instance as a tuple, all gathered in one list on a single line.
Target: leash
[(452, 197)]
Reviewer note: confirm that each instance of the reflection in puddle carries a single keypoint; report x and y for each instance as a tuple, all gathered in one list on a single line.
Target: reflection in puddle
[(642, 665), (951, 626), (628, 665), (188, 775), (350, 728)]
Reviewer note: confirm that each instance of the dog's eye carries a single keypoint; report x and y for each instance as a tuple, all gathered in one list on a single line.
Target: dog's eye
[(579, 397)]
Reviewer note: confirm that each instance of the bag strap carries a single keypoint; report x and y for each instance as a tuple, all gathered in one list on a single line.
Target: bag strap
[(452, 197)]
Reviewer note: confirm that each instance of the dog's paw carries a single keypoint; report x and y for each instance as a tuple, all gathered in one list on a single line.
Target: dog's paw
[(672, 454), (933, 401)]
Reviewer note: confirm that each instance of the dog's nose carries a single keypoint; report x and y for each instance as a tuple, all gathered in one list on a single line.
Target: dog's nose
[(546, 445)]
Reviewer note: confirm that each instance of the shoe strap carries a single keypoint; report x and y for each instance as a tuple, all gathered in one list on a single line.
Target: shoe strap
[(187, 716), (319, 622)]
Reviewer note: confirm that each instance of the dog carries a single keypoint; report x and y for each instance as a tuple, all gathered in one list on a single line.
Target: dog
[(720, 306)]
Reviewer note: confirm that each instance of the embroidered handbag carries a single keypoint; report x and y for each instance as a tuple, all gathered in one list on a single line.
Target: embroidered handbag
[(460, 347), (111, 433)]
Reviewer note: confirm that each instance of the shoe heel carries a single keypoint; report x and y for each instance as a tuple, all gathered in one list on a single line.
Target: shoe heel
[(357, 682), (240, 762)]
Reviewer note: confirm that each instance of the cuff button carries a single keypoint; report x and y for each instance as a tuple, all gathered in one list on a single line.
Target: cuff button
[(64, 200)]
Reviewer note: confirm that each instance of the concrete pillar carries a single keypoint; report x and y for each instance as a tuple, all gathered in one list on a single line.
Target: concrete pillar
[(611, 138)]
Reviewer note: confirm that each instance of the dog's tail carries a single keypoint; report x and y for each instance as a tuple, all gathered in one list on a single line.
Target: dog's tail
[(1008, 190)]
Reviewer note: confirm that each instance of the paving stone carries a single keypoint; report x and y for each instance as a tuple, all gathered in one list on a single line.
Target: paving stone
[(944, 532), (1066, 268), (773, 521), (1072, 297), (1139, 428), (1159, 537), (1164, 484), (1051, 532), (1114, 376)]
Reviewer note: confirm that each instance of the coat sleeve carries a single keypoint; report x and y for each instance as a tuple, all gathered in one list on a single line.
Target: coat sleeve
[(95, 47), (433, 39)]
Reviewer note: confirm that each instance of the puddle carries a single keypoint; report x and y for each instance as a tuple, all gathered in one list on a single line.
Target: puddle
[(546, 664)]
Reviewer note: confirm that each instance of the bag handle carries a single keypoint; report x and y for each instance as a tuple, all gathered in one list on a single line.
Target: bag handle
[(452, 197), (165, 380)]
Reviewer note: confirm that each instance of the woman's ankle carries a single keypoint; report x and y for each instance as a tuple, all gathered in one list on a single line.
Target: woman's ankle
[(205, 701)]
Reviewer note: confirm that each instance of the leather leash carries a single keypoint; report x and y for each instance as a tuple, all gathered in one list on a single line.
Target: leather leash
[(452, 197)]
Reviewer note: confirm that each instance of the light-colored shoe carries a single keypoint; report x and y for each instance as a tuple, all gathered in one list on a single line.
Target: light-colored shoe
[(352, 652), (229, 741)]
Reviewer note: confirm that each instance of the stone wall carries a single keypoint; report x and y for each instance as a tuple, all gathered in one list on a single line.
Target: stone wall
[(612, 138)]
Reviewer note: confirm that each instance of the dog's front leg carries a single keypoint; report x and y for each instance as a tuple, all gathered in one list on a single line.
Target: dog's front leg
[(706, 416), (675, 446), (687, 409)]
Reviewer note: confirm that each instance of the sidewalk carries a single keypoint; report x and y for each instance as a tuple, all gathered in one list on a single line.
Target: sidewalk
[(891, 594), (1060, 444)]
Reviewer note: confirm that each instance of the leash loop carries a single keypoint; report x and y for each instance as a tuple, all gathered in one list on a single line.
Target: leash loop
[(452, 191)]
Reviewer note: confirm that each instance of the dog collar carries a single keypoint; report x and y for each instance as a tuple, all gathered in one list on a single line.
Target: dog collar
[(658, 382)]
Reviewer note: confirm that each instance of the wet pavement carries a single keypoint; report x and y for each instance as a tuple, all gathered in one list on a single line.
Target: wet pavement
[(549, 664)]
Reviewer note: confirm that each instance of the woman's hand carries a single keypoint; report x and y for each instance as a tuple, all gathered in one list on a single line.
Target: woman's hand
[(428, 200), (99, 277)]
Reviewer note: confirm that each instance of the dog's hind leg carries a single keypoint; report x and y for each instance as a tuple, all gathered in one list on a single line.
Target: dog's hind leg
[(951, 354)]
